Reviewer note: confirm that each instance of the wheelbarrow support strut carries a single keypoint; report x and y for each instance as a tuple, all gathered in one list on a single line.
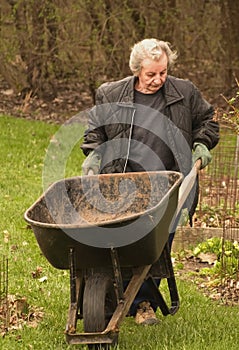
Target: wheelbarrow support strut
[(108, 335), (125, 299), (164, 269)]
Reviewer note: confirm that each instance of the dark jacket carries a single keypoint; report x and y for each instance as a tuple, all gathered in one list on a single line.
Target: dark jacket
[(188, 118)]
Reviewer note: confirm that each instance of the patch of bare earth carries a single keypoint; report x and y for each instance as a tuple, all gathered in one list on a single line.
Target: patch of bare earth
[(71, 98), (224, 290)]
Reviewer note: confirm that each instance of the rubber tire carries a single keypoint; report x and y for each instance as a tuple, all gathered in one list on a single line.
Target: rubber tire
[(99, 303)]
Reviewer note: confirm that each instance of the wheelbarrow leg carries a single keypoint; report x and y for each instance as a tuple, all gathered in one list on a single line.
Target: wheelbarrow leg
[(76, 283), (106, 337), (166, 270), (172, 285), (165, 309), (105, 305), (117, 275), (139, 275)]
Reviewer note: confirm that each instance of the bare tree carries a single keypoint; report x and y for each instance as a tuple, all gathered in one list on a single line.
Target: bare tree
[(35, 32), (88, 42), (230, 47)]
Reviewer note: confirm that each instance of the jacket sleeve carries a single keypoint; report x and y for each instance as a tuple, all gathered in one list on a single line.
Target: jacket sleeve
[(205, 127), (95, 135), (100, 97)]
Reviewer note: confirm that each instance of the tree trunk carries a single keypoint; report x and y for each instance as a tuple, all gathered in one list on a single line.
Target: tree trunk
[(230, 35)]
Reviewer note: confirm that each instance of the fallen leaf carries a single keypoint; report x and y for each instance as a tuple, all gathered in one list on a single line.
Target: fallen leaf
[(209, 258), (42, 279)]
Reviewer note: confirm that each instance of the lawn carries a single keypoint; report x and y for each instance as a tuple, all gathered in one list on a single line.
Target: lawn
[(199, 324)]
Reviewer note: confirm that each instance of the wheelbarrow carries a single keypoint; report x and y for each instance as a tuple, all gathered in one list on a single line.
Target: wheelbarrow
[(106, 229)]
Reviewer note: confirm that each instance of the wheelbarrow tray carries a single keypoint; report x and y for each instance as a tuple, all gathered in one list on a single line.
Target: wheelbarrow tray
[(93, 214)]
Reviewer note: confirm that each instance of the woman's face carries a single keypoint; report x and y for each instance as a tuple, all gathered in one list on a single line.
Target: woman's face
[(152, 75)]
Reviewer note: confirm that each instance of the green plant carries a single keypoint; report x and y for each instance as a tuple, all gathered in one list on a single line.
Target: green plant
[(232, 117), (211, 245), (214, 216), (227, 253)]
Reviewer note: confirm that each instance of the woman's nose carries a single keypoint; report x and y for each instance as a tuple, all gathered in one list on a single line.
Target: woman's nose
[(157, 79)]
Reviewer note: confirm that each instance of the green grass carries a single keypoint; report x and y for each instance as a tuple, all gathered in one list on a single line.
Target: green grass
[(199, 324)]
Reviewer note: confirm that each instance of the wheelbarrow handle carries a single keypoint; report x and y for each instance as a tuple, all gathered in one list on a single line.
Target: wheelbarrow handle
[(198, 164), (187, 185)]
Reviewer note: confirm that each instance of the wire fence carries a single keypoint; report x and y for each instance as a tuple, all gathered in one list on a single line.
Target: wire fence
[(4, 314), (218, 205)]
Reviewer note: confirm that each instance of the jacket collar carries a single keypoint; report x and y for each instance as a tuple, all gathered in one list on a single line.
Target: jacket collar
[(127, 94), (171, 93)]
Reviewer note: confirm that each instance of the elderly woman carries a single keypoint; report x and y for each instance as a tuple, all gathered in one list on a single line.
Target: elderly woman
[(149, 121)]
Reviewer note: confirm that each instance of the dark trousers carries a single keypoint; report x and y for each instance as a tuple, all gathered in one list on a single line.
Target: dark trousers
[(145, 293)]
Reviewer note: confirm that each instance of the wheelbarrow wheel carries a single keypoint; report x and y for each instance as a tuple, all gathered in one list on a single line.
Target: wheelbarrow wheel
[(99, 304)]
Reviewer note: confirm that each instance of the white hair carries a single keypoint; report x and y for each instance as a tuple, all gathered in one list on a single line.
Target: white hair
[(149, 48)]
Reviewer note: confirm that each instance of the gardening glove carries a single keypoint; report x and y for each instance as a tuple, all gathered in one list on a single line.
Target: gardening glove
[(201, 152), (91, 164)]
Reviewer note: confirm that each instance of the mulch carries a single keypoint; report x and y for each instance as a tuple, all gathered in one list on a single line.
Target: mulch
[(70, 100), (224, 290)]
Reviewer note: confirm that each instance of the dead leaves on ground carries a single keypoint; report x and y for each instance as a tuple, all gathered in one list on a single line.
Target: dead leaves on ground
[(224, 290), (15, 313)]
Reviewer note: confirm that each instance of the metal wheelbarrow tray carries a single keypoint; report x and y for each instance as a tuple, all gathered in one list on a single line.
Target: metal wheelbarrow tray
[(107, 228)]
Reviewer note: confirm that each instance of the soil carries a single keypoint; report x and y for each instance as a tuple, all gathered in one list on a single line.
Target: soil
[(70, 100), (223, 290)]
